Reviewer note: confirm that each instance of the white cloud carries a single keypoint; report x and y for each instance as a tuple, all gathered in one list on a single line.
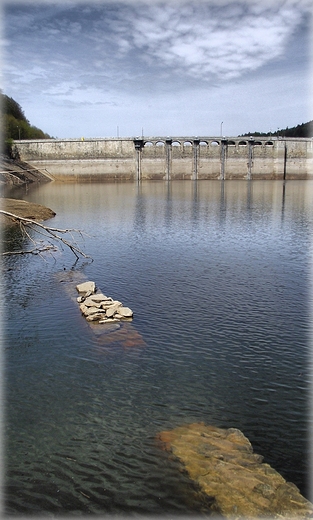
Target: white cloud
[(204, 40), (192, 37), (126, 56)]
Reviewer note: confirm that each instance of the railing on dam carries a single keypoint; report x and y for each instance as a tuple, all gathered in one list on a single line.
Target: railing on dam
[(170, 158)]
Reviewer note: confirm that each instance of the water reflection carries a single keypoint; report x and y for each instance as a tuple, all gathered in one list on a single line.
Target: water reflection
[(215, 196), (283, 202)]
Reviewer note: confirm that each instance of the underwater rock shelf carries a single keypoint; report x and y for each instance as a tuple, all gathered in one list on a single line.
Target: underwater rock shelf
[(97, 307), (223, 464)]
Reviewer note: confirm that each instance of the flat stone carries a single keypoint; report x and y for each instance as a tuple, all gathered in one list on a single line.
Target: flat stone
[(126, 312), (95, 316), (108, 320), (86, 287), (108, 304), (222, 463), (113, 309), (83, 308), (89, 302), (99, 297), (94, 310)]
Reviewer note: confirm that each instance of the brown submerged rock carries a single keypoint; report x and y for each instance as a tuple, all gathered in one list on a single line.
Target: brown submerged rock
[(223, 464)]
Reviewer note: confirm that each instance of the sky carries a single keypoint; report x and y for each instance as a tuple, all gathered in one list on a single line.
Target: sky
[(155, 68)]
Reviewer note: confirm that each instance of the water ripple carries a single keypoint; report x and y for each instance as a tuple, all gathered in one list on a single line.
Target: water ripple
[(220, 335)]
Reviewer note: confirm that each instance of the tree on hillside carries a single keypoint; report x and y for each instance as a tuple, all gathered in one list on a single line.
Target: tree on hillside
[(303, 130), (15, 125), (11, 107)]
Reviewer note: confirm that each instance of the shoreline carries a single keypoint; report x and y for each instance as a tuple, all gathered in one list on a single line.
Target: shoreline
[(24, 209)]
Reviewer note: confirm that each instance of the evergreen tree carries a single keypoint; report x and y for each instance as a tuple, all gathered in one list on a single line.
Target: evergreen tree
[(303, 130), (15, 125), (11, 107)]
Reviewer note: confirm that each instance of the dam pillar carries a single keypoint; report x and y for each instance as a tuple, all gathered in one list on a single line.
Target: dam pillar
[(168, 144), (223, 158), (250, 157), (285, 160), (196, 143), (139, 144)]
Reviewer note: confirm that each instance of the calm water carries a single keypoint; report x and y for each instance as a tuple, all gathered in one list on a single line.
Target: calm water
[(218, 276)]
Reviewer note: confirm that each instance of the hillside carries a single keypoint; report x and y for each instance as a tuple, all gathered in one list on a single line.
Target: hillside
[(303, 130), (15, 125)]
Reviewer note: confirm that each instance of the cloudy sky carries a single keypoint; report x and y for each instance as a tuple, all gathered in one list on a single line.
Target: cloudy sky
[(108, 68)]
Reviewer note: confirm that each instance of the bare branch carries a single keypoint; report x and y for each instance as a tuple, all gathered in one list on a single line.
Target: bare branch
[(35, 251), (48, 232)]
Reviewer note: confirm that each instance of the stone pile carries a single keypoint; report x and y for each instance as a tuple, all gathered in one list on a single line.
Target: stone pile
[(97, 307)]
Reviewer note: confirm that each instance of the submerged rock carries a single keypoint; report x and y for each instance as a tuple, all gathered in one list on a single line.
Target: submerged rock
[(222, 462)]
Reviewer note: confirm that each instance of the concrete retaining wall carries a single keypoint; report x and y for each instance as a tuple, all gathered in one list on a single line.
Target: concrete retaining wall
[(169, 158)]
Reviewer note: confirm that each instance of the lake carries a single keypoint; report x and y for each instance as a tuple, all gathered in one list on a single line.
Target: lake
[(219, 277)]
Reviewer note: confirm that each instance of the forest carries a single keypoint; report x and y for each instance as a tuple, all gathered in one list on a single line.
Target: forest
[(302, 130), (15, 125)]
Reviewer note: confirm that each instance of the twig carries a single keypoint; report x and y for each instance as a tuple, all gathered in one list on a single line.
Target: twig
[(35, 251), (47, 232), (84, 494)]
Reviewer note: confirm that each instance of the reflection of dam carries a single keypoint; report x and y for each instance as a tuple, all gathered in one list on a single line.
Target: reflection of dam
[(197, 205), (170, 158)]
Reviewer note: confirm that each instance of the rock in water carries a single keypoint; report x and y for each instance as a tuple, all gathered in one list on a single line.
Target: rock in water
[(86, 287), (100, 297), (113, 309), (107, 333), (99, 306), (89, 302), (222, 462), (126, 312)]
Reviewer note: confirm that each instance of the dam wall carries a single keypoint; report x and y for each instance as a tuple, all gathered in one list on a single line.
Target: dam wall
[(169, 158)]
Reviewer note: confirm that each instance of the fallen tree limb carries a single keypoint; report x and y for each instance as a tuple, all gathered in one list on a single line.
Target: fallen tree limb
[(48, 232)]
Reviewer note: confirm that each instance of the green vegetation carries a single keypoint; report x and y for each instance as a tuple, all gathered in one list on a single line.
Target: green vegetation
[(15, 125), (303, 130)]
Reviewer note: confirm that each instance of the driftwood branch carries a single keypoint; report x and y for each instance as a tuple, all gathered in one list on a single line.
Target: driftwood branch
[(50, 233)]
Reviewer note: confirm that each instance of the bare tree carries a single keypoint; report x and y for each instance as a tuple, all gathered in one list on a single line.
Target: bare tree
[(52, 237)]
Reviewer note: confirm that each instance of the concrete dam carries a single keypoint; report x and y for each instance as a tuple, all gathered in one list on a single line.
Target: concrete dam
[(169, 158)]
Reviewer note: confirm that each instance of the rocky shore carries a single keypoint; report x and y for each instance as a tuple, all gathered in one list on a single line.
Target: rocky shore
[(14, 172)]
